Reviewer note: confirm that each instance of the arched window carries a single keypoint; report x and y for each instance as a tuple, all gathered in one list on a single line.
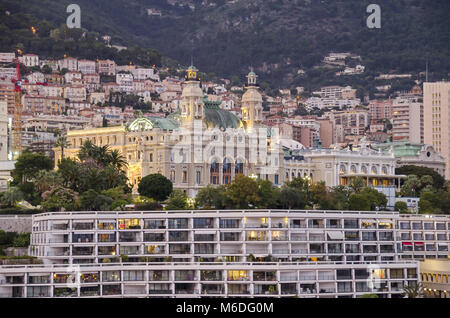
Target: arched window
[(374, 170), (364, 169), (226, 171), (214, 172), (384, 170), (239, 168), (353, 169), (342, 169)]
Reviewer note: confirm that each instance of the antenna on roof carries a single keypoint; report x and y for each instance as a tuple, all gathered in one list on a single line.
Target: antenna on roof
[(426, 72)]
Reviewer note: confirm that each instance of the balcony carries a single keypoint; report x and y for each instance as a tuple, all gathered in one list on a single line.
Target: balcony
[(298, 224), (129, 224), (109, 290), (256, 236), (185, 289), (154, 224), (65, 292), (82, 251), (91, 291), (103, 226), (155, 249), (83, 226), (264, 276), (211, 275), (265, 289), (128, 237), (212, 289), (106, 238)]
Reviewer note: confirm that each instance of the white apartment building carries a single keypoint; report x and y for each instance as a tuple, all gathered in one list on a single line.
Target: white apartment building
[(29, 60), (75, 93), (144, 73), (235, 253), (125, 82), (7, 57), (69, 63), (331, 91), (7, 72), (69, 77), (208, 280), (87, 66), (36, 77)]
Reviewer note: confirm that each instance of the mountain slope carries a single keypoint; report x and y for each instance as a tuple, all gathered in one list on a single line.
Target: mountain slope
[(277, 37)]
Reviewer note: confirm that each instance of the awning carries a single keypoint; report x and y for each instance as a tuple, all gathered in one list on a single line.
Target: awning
[(418, 243), (385, 221), (442, 244), (335, 235), (407, 243)]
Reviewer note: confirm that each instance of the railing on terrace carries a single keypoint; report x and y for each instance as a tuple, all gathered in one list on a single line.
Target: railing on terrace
[(221, 213), (226, 265)]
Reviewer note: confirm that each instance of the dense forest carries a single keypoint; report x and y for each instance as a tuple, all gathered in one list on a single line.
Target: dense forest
[(276, 37)]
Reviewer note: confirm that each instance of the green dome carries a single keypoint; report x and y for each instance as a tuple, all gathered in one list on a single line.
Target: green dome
[(220, 118)]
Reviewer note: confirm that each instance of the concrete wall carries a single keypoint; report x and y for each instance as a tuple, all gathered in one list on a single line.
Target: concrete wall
[(13, 223)]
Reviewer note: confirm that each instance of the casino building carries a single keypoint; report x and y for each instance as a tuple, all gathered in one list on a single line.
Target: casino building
[(200, 145)]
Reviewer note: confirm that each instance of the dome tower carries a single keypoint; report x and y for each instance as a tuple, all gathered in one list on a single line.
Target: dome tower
[(192, 97), (252, 103)]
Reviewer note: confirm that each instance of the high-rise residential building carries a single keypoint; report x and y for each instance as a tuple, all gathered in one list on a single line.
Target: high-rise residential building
[(407, 120), (380, 109), (437, 118)]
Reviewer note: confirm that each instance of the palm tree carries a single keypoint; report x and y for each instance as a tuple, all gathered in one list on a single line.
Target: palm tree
[(117, 160), (100, 154), (86, 150), (414, 291), (62, 143)]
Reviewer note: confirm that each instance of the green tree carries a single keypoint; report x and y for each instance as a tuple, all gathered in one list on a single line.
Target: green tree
[(377, 199), (22, 240), (411, 187), (155, 186), (177, 201), (28, 166), (438, 180), (358, 202), (429, 202), (211, 197), (292, 198), (268, 195), (401, 207), (243, 192), (10, 197)]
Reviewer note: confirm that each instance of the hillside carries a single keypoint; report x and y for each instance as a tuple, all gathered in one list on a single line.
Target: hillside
[(276, 37)]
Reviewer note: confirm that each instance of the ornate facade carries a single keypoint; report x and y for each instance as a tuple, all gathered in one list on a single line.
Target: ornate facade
[(200, 145)]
